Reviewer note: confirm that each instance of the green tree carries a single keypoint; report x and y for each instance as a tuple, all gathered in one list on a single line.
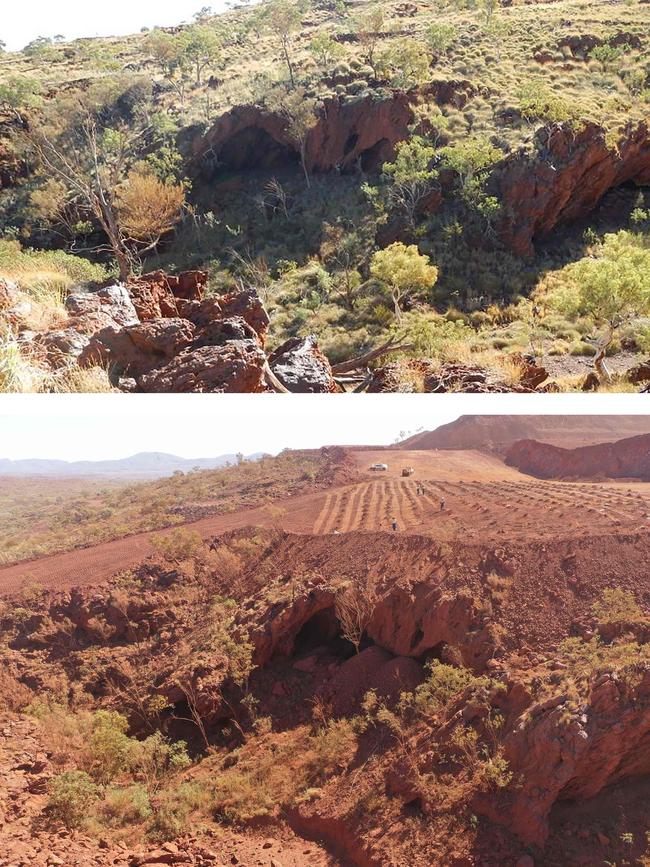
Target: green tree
[(440, 37), (403, 269), (201, 45), (18, 95), (410, 177), (609, 56), (538, 102), (470, 158), (41, 48), (369, 28), (283, 19), (325, 50), (178, 55), (612, 287), (166, 50), (407, 63), (109, 746), (86, 144)]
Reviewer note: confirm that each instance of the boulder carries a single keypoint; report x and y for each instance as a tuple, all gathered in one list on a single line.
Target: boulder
[(60, 347), (301, 366), (113, 301), (248, 305), (139, 348), (639, 373), (237, 366)]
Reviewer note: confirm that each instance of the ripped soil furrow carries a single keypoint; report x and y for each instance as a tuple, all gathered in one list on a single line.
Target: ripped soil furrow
[(321, 521), (355, 521)]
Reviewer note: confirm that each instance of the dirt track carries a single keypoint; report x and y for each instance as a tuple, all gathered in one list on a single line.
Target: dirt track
[(484, 502)]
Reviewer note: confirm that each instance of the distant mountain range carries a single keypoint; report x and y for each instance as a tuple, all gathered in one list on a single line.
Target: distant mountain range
[(145, 465), (496, 433)]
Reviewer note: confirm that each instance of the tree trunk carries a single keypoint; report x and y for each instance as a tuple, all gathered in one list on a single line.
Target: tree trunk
[(303, 162), (599, 358)]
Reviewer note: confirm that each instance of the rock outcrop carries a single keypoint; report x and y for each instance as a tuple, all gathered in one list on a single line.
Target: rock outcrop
[(349, 132), (563, 753), (627, 458), (565, 179), (160, 334)]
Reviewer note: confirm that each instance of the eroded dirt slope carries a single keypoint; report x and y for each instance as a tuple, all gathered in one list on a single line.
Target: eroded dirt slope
[(497, 433), (627, 458)]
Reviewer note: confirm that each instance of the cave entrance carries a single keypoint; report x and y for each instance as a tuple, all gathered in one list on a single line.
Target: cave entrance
[(435, 652), (255, 148), (373, 158), (322, 630)]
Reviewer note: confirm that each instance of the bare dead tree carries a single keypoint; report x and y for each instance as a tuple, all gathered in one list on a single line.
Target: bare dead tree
[(191, 695), (354, 608)]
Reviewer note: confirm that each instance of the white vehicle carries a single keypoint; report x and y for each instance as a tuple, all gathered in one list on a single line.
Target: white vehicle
[(379, 468)]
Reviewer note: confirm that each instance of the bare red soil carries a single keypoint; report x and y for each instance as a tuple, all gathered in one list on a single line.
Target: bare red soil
[(484, 501), (490, 571)]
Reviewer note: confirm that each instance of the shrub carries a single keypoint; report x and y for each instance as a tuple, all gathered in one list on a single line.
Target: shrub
[(617, 606), (124, 806), (71, 796), (178, 545), (109, 747), (155, 759)]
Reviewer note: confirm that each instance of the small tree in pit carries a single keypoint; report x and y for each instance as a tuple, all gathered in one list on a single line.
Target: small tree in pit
[(410, 177), (612, 287), (404, 270)]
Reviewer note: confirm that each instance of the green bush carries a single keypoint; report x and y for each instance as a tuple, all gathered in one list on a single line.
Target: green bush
[(71, 796), (110, 746)]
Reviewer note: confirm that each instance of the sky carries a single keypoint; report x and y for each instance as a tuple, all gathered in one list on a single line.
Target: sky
[(100, 427), (25, 20)]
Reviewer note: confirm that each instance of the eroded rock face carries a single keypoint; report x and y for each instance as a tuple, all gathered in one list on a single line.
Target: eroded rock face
[(628, 458), (158, 294), (349, 133), (566, 179), (301, 366), (559, 754)]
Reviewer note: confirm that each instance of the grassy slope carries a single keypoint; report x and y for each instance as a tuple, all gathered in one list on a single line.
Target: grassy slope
[(73, 513), (526, 48)]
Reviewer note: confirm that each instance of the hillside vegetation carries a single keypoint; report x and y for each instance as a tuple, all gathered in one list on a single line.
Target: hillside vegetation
[(75, 512), (363, 166)]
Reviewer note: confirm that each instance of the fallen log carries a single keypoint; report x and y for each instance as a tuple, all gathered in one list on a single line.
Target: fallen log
[(373, 355)]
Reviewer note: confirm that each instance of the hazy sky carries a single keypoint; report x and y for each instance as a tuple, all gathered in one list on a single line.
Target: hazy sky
[(25, 20), (96, 427)]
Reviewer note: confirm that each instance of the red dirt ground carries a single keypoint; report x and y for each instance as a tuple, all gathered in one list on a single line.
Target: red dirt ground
[(485, 501)]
